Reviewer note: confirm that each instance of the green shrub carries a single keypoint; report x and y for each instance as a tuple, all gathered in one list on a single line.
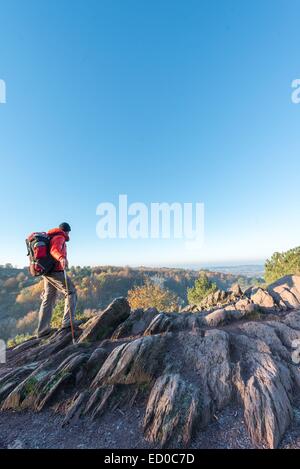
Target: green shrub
[(18, 339), (58, 313), (202, 288), (281, 264)]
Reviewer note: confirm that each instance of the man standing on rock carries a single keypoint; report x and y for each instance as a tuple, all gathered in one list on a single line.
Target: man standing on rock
[(55, 282)]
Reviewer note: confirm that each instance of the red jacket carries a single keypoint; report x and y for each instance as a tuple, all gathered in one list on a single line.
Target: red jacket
[(58, 248)]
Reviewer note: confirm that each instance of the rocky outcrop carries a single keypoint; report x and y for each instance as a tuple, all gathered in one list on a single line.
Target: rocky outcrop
[(103, 325), (136, 323), (224, 306), (172, 410), (134, 362), (286, 291), (181, 369), (219, 298), (264, 300)]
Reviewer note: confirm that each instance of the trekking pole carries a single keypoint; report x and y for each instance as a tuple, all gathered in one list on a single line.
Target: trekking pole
[(71, 321)]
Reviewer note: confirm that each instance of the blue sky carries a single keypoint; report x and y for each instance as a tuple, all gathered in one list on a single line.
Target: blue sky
[(165, 101)]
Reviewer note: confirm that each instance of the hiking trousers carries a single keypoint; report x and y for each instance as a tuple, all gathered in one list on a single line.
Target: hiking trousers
[(53, 283)]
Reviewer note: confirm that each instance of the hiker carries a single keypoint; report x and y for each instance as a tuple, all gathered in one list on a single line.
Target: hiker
[(54, 282)]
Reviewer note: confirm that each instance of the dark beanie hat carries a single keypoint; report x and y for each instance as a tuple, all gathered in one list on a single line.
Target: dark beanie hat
[(65, 227)]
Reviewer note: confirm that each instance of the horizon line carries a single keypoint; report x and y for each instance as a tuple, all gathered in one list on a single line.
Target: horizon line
[(181, 265)]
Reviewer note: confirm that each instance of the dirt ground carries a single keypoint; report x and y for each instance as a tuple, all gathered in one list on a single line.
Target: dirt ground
[(122, 429)]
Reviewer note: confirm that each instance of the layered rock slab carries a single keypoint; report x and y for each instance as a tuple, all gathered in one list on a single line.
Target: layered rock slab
[(182, 367)]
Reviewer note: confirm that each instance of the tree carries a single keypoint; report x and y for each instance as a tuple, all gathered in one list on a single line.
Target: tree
[(28, 323), (202, 288), (281, 264), (31, 296), (11, 283), (152, 295), (21, 277)]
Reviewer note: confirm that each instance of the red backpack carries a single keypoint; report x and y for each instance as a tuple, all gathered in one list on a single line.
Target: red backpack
[(38, 249)]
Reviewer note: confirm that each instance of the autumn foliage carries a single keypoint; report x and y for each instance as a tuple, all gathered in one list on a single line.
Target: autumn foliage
[(152, 295)]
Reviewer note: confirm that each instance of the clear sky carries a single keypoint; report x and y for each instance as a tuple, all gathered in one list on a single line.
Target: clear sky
[(162, 100)]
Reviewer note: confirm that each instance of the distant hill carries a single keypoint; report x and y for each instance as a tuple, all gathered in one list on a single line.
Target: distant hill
[(248, 270)]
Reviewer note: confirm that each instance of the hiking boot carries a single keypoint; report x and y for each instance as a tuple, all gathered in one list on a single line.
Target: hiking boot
[(67, 329), (76, 325), (45, 333)]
